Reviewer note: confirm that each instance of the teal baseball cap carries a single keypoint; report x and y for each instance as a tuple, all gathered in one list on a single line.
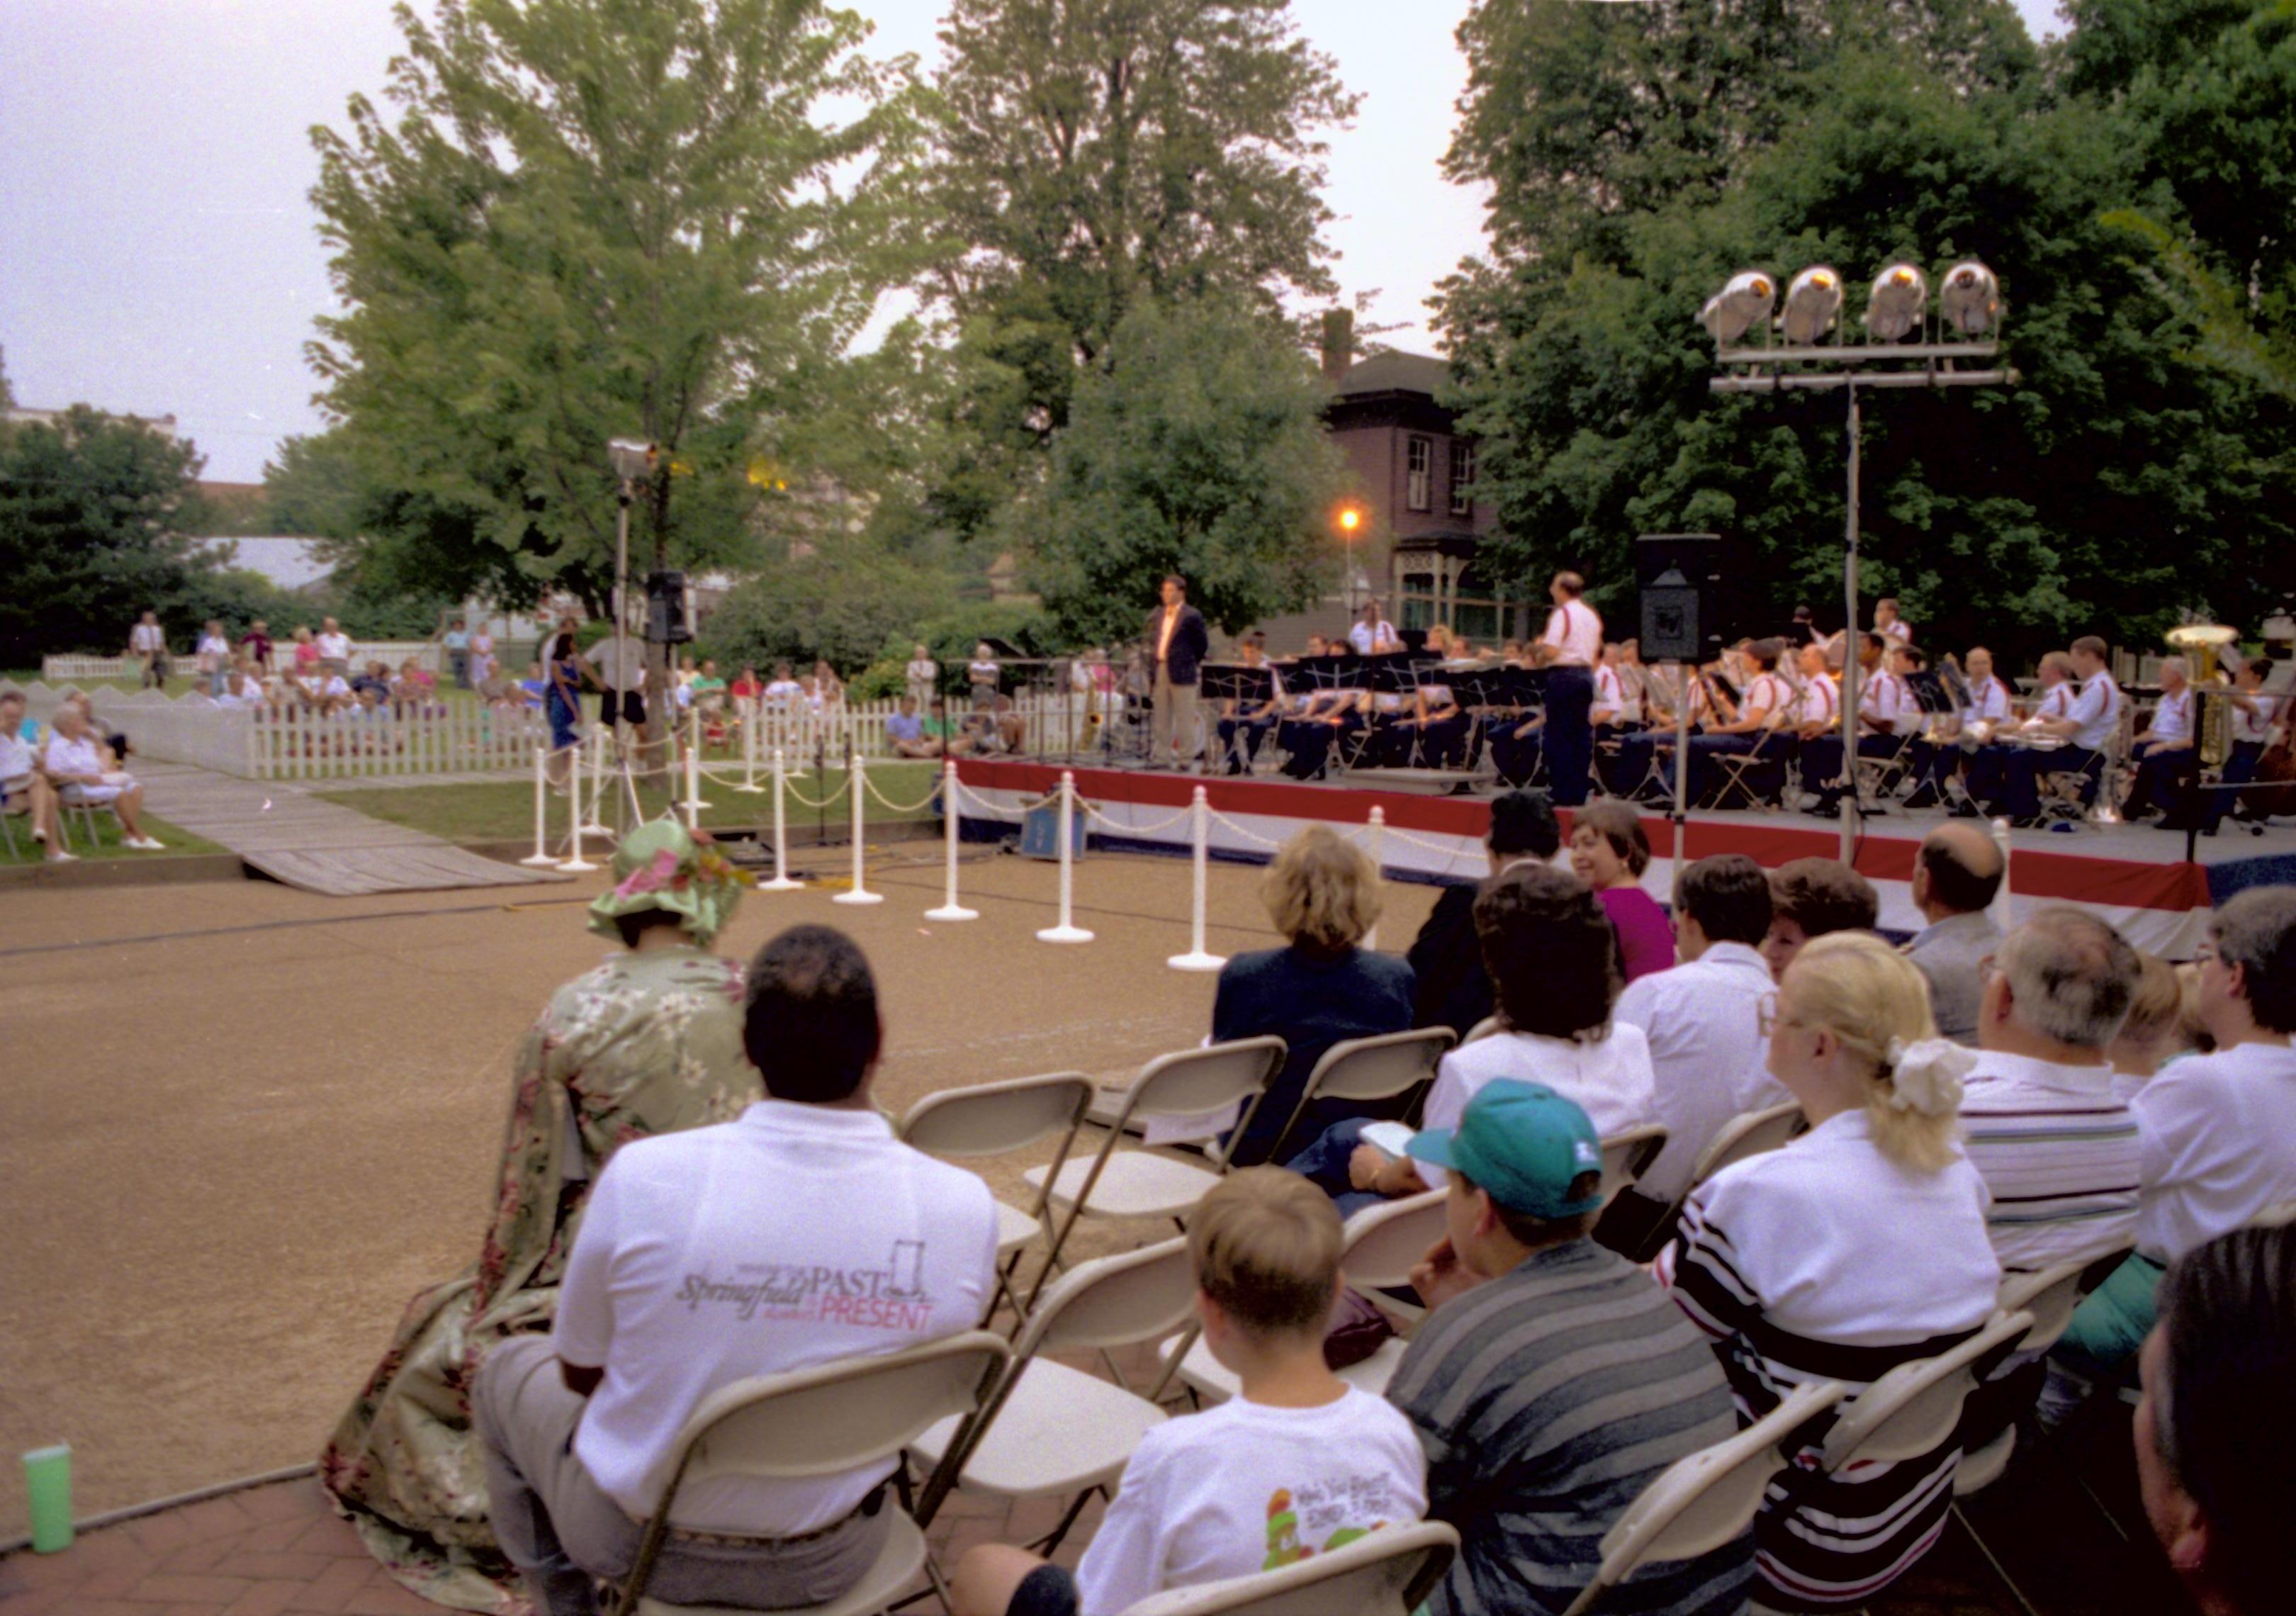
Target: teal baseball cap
[(1524, 1144)]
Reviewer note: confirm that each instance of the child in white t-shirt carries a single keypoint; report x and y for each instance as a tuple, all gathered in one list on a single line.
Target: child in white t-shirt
[(1299, 1464)]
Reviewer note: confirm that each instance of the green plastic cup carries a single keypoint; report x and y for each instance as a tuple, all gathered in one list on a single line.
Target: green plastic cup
[(47, 1476)]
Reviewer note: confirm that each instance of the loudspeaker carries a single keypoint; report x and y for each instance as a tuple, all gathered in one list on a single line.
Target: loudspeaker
[(666, 623), (1680, 576)]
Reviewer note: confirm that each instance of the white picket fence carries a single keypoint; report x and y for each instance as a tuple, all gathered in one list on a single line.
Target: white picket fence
[(1050, 724), (65, 669), (441, 738)]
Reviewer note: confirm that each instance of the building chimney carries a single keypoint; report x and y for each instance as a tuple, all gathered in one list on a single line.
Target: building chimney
[(1338, 344)]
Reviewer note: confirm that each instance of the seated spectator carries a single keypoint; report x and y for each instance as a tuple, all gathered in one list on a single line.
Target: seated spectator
[(1452, 987), (1858, 1247), (707, 689), (1562, 1385), (417, 683), (748, 687), (1609, 852), (1956, 875), (23, 788), (1550, 949), (906, 732), (81, 772), (2158, 1029), (376, 678), (1704, 1021), (2216, 1431), (1322, 892), (784, 692), (241, 689), (1298, 1463), (825, 681), (1813, 897), (534, 687), (659, 1309)]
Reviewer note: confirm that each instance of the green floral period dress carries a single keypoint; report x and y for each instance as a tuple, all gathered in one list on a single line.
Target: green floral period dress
[(645, 1044)]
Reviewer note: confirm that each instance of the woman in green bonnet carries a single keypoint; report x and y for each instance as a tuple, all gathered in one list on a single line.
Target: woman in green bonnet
[(648, 1043)]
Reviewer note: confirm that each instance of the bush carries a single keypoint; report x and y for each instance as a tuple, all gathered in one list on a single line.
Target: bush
[(842, 603), (951, 637)]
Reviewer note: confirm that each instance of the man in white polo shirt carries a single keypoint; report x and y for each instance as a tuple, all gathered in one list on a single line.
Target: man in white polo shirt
[(334, 649), (801, 1234), (2088, 727), (1574, 645), (2163, 751)]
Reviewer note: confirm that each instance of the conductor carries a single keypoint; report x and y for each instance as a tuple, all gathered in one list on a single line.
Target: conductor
[(1180, 642), (1574, 645)]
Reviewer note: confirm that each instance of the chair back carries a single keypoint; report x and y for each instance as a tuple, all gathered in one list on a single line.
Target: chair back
[(1486, 1027), (1384, 1242), (1752, 1133), (1626, 1156), (1368, 1070), (1387, 1573), (1114, 1301), (836, 1416), (1700, 1503), (992, 1119), (2050, 1296), (1189, 1081), (1914, 1407)]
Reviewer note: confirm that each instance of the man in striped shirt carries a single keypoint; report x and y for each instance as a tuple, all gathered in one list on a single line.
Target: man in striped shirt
[(1553, 1380)]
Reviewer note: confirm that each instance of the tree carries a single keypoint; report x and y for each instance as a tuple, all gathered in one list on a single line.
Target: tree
[(1200, 451), (839, 603), (601, 218), (1094, 155)]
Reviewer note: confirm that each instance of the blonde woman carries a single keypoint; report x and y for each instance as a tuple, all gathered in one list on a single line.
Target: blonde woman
[(1859, 1247), (1322, 892), (2161, 1025)]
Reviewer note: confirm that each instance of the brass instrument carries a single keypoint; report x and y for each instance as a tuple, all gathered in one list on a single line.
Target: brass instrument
[(2204, 646)]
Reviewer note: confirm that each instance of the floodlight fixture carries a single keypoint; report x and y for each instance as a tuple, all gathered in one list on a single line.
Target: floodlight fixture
[(633, 458), (1898, 305), (1969, 300), (1745, 303), (1813, 305)]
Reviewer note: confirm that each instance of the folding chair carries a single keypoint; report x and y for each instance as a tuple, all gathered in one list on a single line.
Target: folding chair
[(1733, 767), (1752, 1133), (1048, 1430), (7, 826), (1484, 1029), (1698, 1503), (1914, 1409), (1368, 1070), (819, 1421), (1140, 1183), (1382, 1245), (1389, 1573), (995, 1120), (1628, 1156)]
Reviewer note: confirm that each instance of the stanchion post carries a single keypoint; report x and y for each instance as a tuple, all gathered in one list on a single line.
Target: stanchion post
[(781, 883), (750, 747), (542, 854), (596, 750), (950, 909), (2003, 908), (856, 781), (1378, 840), (575, 864), (1067, 931), (1197, 958)]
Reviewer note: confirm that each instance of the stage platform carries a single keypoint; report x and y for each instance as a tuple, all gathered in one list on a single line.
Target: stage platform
[(2137, 875)]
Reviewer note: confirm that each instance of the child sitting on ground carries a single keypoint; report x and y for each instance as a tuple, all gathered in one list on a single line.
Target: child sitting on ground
[(1299, 1464)]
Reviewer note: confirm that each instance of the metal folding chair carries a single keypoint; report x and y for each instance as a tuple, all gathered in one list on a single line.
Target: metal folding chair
[(1367, 1070), (1389, 1573), (1626, 1157), (1752, 1133)]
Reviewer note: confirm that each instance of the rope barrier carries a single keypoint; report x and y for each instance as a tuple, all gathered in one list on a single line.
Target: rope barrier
[(1246, 831), (1137, 830), (889, 806), (826, 796)]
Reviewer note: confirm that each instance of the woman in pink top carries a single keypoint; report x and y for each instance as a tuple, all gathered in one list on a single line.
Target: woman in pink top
[(1609, 852)]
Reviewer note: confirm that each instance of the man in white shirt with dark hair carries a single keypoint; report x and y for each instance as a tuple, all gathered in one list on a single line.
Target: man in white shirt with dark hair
[(801, 1234), (2088, 727), (1372, 633), (1573, 643)]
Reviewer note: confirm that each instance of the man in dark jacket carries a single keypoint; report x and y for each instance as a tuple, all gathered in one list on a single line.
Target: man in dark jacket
[(1453, 989), (1179, 643)]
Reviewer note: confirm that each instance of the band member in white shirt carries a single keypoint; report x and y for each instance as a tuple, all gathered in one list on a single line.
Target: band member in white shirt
[(1987, 707), (1245, 721), (1886, 714), (1373, 634), (1888, 625), (1764, 712), (2087, 728), (2163, 753), (2259, 717), (1574, 641)]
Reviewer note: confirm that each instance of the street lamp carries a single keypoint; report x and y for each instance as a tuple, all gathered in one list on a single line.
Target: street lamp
[(1350, 520), (1897, 308)]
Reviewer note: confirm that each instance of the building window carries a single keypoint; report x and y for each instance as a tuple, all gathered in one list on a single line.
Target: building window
[(1463, 478), (1418, 487)]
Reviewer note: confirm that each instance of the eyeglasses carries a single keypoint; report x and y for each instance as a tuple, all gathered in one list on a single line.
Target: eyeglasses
[(1767, 1018)]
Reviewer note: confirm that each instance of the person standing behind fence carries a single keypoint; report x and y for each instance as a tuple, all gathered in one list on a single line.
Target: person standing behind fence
[(922, 675), (1180, 641), (334, 649), (214, 657), (482, 656), (562, 668), (147, 644), (456, 641), (254, 645)]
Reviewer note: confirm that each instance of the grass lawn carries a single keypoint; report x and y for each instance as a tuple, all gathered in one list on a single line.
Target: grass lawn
[(505, 811), (107, 838)]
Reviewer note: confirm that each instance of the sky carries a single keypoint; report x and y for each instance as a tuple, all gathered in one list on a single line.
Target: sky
[(156, 249)]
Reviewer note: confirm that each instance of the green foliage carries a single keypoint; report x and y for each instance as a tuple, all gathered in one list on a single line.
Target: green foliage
[(2111, 486), (949, 637), (841, 602), (1200, 451)]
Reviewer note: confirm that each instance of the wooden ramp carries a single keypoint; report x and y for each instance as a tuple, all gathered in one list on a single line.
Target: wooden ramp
[(321, 847)]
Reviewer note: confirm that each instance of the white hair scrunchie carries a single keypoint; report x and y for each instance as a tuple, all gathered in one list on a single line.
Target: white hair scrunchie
[(1925, 1075)]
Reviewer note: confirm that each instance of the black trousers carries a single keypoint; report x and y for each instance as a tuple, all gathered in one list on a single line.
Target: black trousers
[(1570, 743)]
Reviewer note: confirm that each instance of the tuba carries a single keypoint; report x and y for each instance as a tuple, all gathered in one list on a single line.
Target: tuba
[(2204, 644)]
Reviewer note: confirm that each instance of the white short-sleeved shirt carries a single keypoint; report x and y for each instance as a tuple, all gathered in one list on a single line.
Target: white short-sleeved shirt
[(1769, 694), (2057, 700), (148, 636), (1989, 703), (1886, 699), (2172, 716), (1363, 636), (2217, 1145), (335, 647), (1575, 633), (2254, 723), (214, 649), (1610, 694), (791, 1237), (1244, 1488), (1609, 1078), (73, 756), (1708, 1059), (2057, 1149), (16, 758), (618, 660), (2096, 709), (1897, 629)]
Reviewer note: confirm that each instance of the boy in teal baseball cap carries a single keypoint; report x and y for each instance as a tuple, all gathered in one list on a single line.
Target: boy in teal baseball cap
[(1525, 1170)]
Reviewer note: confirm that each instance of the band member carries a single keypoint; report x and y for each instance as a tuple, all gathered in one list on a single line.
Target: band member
[(2088, 728), (2259, 717), (1179, 642), (1249, 726), (1888, 625), (1574, 636), (1373, 634), (1433, 735), (1768, 705), (2163, 753), (1987, 706), (1886, 714)]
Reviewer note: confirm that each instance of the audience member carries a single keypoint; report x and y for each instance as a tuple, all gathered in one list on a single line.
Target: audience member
[(906, 732), (1956, 875), (1860, 1246), (922, 675), (1322, 892), (1812, 897), (1609, 852), (147, 646), (2216, 1429), (1453, 989), (661, 1307), (334, 648), (23, 788), (80, 773), (1552, 1382), (2156, 1031), (213, 657), (254, 645), (1702, 1020), (1297, 1464)]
